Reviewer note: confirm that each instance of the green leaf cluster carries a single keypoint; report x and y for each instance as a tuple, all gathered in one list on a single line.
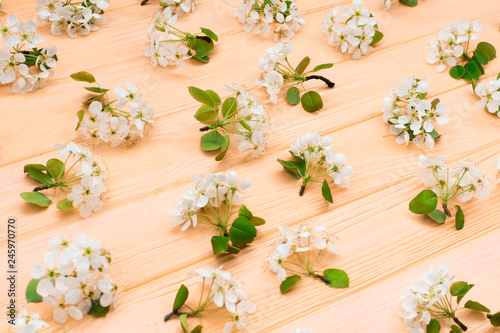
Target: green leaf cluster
[(201, 44), (473, 68), (426, 203)]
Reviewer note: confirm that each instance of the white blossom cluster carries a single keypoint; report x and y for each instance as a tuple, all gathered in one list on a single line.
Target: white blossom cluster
[(252, 138), (226, 291), (423, 294), (78, 18), (490, 96), (73, 275), (283, 15), (292, 241), (352, 35), (317, 149), (449, 44), (16, 63), (181, 7), (271, 78), (466, 177), (410, 116), (161, 48), (29, 323), (123, 123), (212, 192), (91, 188)]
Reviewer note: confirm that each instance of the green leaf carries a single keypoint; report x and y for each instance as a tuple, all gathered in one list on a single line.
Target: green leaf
[(434, 326), (478, 64), (459, 288), (212, 141), (229, 107), (31, 294), (434, 134), (301, 67), (80, 115), (224, 148), (39, 167), (434, 103), (40, 176), (459, 298), (256, 221), (424, 203), (474, 84), (210, 34), (322, 66), (202, 47), (184, 324), (471, 71), (206, 114), (495, 319), (215, 97), (327, 193), (411, 3), (219, 244), (476, 306), (36, 198), (338, 278), (233, 249), (96, 90), (245, 212), (197, 329), (455, 329), (311, 101), (488, 48), (242, 231), (201, 96), (291, 166), (438, 216), (293, 95), (83, 76), (204, 59), (459, 218), (64, 204), (377, 37), (457, 72), (92, 99), (55, 168), (289, 283), (180, 298), (97, 310), (482, 56)]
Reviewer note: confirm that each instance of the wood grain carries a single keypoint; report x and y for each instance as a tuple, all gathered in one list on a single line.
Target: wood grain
[(382, 245)]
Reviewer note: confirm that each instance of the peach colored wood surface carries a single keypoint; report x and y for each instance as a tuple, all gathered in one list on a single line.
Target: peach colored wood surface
[(383, 246)]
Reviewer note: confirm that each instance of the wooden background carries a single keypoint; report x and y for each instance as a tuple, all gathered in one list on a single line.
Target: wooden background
[(383, 246)]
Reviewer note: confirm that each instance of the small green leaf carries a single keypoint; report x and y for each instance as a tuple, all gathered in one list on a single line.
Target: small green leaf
[(457, 72), (327, 193), (301, 67), (471, 71), (338, 278), (478, 64), (233, 249), (92, 99), (212, 141), (80, 115), (291, 166), (83, 76), (229, 107), (206, 114), (204, 59), (197, 329), (201, 96), (438, 216), (459, 218), (36, 198), (476, 306), (180, 298), (289, 283), (411, 3), (377, 37), (39, 167), (434, 326), (202, 47), (97, 310), (31, 294), (311, 101), (210, 34), (488, 48), (219, 244), (55, 168), (96, 90), (455, 329), (459, 288), (495, 319), (223, 148), (184, 324), (323, 66), (293, 95), (40, 176), (482, 56), (64, 204), (474, 84), (256, 221), (215, 96), (242, 231), (459, 298), (434, 134), (245, 212), (424, 203)]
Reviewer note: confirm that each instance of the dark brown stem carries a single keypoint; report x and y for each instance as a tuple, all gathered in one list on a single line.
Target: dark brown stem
[(205, 38), (41, 188), (173, 313), (446, 210), (459, 323), (322, 278), (329, 83), (204, 129), (302, 189), (144, 2)]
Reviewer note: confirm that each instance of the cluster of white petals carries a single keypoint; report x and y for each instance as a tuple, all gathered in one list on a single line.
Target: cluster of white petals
[(271, 78), (16, 64), (431, 288), (411, 117), (282, 15), (181, 7), (78, 18), (29, 323), (449, 44), (73, 276), (490, 96)]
